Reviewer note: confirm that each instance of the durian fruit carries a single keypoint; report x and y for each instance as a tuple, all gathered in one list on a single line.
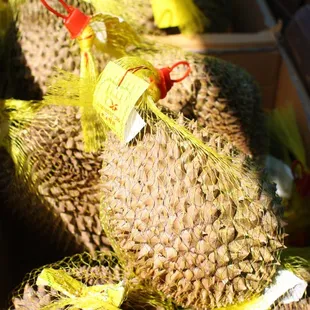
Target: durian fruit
[(103, 270), (171, 218), (56, 188)]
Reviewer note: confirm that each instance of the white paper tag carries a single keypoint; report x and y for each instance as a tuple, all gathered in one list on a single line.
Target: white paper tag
[(134, 125), (287, 288), (116, 94)]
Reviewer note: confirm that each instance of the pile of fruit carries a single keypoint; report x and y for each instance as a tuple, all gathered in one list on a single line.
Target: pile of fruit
[(147, 158)]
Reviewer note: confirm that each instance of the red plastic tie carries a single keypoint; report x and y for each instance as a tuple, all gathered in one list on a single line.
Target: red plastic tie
[(166, 82), (132, 70), (75, 22), (302, 178)]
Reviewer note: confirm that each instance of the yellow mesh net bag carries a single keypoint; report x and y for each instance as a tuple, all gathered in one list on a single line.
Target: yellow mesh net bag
[(220, 95), (82, 282), (183, 211)]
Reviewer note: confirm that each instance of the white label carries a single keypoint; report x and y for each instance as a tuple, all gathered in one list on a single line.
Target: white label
[(134, 125), (287, 288)]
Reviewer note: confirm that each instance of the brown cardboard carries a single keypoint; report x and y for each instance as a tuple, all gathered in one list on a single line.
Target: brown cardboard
[(201, 43)]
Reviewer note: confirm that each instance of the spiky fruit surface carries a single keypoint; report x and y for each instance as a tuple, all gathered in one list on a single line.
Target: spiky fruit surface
[(171, 217), (89, 272), (303, 304), (60, 180)]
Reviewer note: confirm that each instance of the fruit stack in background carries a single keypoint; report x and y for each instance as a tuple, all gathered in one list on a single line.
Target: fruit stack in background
[(67, 185), (228, 96)]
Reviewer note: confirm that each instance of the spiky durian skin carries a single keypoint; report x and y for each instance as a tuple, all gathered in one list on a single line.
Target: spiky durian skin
[(169, 221), (104, 270), (57, 183)]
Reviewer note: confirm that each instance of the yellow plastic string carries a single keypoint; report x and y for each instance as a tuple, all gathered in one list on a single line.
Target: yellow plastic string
[(303, 252), (93, 128), (88, 67), (78, 295), (179, 13)]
